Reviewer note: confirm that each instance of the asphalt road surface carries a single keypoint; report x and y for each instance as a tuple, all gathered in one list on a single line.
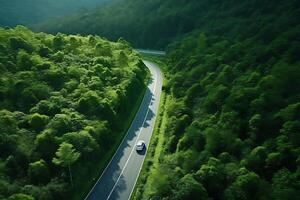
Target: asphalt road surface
[(118, 179)]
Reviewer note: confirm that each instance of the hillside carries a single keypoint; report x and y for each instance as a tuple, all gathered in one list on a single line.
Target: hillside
[(65, 101), (26, 12), (229, 122), (156, 23), (229, 128)]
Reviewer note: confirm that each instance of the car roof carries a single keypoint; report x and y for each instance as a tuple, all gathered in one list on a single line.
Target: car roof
[(140, 142)]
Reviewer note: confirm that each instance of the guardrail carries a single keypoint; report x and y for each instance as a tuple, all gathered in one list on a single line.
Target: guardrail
[(151, 52)]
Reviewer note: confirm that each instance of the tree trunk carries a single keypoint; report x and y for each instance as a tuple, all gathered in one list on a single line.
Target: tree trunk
[(71, 179)]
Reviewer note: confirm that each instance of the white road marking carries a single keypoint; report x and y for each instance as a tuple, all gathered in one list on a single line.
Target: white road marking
[(115, 152), (135, 141), (136, 179)]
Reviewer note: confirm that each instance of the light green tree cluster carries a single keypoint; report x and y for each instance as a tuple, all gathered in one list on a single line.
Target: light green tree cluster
[(60, 97)]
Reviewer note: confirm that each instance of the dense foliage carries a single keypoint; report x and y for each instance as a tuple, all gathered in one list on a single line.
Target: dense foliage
[(233, 121), (64, 101), (15, 12), (155, 23)]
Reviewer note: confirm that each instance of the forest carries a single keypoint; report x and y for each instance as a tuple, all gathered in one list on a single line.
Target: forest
[(156, 23), (229, 120), (231, 123), (29, 12), (64, 105)]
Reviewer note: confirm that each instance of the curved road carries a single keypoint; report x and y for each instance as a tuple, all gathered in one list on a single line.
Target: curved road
[(118, 179)]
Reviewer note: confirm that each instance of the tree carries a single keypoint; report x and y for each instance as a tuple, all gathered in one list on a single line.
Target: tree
[(274, 161), (123, 59), (193, 137), (83, 142), (88, 102), (215, 98), (33, 94), (60, 124), (256, 160), (188, 188), (24, 61), (163, 177), (285, 185), (289, 113), (212, 177), (46, 144), (8, 128), (44, 81), (219, 140), (254, 125), (44, 51), (254, 122), (19, 43), (55, 77), (192, 93), (58, 56), (38, 172), (292, 129), (38, 121), (58, 41), (12, 167), (20, 197), (66, 156), (246, 187), (202, 41), (103, 49)]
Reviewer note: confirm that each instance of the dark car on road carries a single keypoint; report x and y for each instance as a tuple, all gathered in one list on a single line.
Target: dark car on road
[(140, 145)]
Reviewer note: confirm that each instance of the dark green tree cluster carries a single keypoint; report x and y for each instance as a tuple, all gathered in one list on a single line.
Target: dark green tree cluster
[(233, 123), (28, 12), (156, 23), (64, 101)]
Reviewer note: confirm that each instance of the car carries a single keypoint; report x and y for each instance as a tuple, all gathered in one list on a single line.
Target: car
[(140, 145)]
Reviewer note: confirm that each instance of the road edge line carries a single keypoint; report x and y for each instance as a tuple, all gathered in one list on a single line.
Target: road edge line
[(154, 90), (119, 144), (145, 153)]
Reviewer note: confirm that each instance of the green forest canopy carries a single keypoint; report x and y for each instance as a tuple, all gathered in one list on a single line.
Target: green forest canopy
[(57, 89), (156, 23), (28, 12), (232, 123), (232, 119)]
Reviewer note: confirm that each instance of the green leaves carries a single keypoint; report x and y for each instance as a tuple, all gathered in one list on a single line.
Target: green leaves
[(65, 155), (20, 197), (239, 82), (24, 61), (38, 122), (83, 142), (17, 43), (189, 188), (58, 41), (57, 94), (38, 172)]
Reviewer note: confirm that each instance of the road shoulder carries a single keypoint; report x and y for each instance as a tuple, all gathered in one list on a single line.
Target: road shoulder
[(143, 183)]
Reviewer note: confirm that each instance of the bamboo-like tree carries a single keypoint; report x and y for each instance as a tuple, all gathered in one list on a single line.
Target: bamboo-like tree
[(66, 156)]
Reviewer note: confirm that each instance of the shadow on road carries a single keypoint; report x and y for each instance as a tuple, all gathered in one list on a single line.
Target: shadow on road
[(104, 185), (142, 153)]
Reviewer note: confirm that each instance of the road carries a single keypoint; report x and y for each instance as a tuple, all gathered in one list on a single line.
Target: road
[(151, 52), (118, 179)]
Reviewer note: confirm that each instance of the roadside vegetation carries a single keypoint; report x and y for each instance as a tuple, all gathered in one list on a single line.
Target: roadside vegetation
[(65, 104), (156, 23), (229, 123), (157, 138)]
